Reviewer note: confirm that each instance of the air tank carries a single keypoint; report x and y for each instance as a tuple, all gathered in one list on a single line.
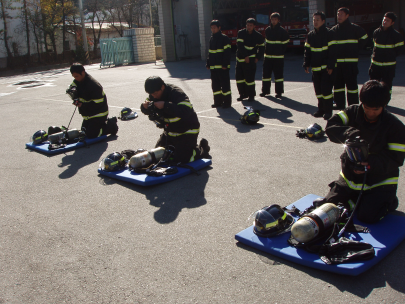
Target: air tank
[(145, 159), (309, 226), (57, 137)]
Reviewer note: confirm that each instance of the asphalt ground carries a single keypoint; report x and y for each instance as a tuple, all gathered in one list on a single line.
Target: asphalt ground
[(70, 235)]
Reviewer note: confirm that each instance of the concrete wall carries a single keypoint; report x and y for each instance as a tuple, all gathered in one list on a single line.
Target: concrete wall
[(143, 43), (314, 6), (166, 30), (204, 19), (186, 29)]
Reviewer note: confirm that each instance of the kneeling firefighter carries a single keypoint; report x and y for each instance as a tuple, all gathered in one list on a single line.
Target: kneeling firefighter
[(170, 108)]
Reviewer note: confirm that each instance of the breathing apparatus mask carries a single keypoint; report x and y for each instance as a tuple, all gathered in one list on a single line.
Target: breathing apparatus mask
[(72, 92), (271, 221), (357, 151), (155, 116)]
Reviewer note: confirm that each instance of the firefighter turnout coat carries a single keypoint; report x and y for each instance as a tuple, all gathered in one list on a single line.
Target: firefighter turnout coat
[(386, 139), (179, 115), (276, 44), (92, 97), (252, 46), (219, 57), (349, 38)]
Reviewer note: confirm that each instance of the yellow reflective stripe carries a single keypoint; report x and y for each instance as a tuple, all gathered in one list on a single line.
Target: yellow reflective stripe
[(227, 46), (279, 80), (220, 51), (324, 48), (260, 44), (101, 133), (364, 37), (344, 117), (277, 41), (250, 83), (319, 96), (384, 46), (171, 120), (95, 100), (399, 44), (266, 79), (348, 60), (316, 69), (98, 100), (254, 55), (226, 93), (354, 186), (191, 131), (351, 204), (215, 67), (396, 147), (239, 40), (347, 41), (94, 116), (332, 42), (185, 103), (240, 81), (240, 60), (338, 90), (383, 63), (307, 44), (328, 96), (217, 92), (193, 156), (274, 56), (353, 91)]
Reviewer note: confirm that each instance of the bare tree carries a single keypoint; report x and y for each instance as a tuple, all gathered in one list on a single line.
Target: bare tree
[(6, 6)]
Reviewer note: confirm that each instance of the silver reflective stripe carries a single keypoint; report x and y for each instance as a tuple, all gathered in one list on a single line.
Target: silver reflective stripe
[(94, 116), (193, 156), (396, 147), (344, 117), (191, 131), (170, 120), (185, 103), (217, 92)]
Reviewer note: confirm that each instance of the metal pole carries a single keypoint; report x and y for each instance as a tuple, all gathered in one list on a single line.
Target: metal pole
[(86, 48), (150, 11)]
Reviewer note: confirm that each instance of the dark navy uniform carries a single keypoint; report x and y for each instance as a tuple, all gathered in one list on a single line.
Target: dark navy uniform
[(349, 39), (386, 138), (276, 45), (218, 61), (320, 55), (252, 46), (387, 46)]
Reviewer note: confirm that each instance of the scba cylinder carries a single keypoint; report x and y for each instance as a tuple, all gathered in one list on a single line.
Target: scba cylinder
[(69, 135), (144, 159), (308, 227)]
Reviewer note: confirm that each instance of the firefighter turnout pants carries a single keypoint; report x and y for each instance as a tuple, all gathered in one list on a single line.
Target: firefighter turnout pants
[(245, 78), (221, 87), (323, 85), (276, 66), (94, 127), (374, 203), (382, 73), (186, 149), (346, 77)]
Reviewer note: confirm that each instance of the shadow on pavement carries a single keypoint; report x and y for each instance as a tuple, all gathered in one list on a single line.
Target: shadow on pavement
[(294, 104), (388, 271), (396, 110), (83, 157), (232, 117), (266, 111), (171, 197)]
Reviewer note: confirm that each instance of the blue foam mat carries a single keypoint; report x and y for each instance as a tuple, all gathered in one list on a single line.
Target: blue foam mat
[(145, 180), (381, 237), (43, 148)]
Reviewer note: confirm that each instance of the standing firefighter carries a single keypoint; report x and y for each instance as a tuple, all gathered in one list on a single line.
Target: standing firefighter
[(218, 62), (250, 50), (349, 39), (320, 55), (388, 44), (276, 44)]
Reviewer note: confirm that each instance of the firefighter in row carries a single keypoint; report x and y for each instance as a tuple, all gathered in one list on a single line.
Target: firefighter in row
[(170, 109), (250, 50), (320, 56), (92, 104), (388, 44), (276, 44), (349, 38), (219, 63)]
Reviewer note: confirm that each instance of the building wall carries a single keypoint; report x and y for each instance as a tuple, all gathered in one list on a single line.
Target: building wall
[(143, 43), (204, 19), (166, 30)]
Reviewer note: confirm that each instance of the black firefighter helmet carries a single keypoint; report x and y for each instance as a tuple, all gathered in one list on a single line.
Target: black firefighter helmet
[(127, 113), (251, 116), (272, 221), (39, 137), (113, 162), (312, 132)]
